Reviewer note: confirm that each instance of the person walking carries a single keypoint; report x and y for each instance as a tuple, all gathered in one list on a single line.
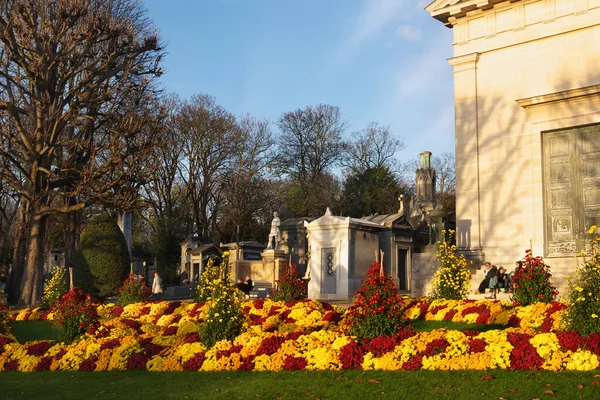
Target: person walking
[(157, 287)]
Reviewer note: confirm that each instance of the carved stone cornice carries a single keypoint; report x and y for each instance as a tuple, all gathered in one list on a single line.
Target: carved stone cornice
[(464, 63), (443, 10), (559, 96)]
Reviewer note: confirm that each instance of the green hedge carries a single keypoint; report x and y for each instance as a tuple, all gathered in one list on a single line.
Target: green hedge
[(102, 261)]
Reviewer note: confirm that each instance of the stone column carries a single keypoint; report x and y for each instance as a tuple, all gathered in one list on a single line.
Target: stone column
[(125, 223), (468, 193)]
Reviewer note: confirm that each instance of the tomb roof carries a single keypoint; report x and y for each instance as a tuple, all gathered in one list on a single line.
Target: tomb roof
[(246, 243), (329, 220), (389, 220), (296, 221), (204, 248)]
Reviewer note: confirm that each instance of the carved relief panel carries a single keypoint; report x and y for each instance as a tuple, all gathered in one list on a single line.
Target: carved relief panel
[(328, 270)]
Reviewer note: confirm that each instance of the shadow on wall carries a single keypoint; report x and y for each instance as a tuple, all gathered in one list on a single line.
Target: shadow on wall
[(507, 156)]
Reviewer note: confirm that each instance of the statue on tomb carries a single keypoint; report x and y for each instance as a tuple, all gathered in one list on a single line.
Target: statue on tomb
[(401, 200), (307, 272), (306, 276), (275, 233)]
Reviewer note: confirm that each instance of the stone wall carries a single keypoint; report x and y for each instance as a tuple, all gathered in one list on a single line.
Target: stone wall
[(423, 267), (255, 270), (519, 71)]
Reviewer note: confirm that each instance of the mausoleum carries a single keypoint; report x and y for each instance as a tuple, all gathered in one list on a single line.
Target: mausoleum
[(527, 126), (341, 250), (195, 254)]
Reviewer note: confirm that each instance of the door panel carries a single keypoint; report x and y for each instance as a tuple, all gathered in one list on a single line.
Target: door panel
[(572, 184), (402, 269), (328, 278), (559, 176)]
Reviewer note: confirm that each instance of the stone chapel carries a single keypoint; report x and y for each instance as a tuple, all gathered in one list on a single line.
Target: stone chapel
[(527, 126)]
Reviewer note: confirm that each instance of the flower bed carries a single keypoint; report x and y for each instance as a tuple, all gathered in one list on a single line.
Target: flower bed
[(547, 317), (163, 336)]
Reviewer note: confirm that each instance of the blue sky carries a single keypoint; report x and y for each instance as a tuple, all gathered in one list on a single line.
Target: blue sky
[(378, 60)]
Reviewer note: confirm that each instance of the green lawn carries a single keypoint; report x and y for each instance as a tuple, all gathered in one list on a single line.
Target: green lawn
[(347, 385), (28, 331)]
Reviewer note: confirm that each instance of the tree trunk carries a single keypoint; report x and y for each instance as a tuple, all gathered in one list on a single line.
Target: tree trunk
[(71, 230), (33, 276), (13, 287), (5, 257), (157, 265)]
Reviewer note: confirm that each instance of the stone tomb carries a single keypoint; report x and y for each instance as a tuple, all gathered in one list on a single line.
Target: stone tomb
[(195, 255), (341, 250), (398, 241), (294, 242)]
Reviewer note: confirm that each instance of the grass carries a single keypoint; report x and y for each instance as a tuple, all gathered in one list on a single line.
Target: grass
[(301, 385), (28, 331)]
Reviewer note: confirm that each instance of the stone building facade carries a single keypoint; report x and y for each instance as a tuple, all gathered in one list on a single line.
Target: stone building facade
[(527, 125)]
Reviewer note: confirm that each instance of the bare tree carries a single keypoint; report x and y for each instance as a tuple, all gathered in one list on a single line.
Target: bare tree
[(445, 170), (67, 68), (246, 175), (167, 214), (111, 170), (310, 144), (310, 141), (209, 137), (372, 148)]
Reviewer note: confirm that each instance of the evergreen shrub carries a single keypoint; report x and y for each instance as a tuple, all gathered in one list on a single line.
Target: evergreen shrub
[(102, 261)]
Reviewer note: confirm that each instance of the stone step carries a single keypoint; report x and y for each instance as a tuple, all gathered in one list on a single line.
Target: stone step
[(499, 296)]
